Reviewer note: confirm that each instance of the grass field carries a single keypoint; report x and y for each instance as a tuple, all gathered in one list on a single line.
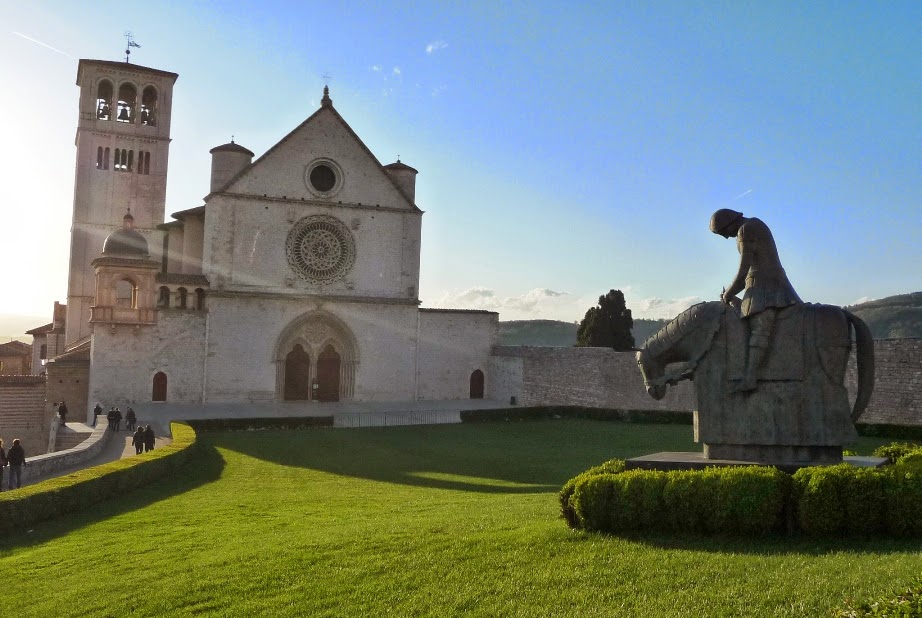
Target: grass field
[(416, 521)]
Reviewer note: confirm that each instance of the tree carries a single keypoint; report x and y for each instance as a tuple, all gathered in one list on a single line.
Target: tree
[(608, 325)]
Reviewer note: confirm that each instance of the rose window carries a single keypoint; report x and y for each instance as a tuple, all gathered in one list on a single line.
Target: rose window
[(320, 249)]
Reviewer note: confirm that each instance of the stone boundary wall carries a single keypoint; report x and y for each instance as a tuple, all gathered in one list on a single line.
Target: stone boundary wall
[(41, 465), (590, 377), (24, 413), (897, 398)]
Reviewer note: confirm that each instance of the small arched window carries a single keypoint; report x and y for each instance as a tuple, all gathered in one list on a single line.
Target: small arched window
[(99, 158), (126, 294), (199, 299), (127, 103), (105, 159), (117, 164), (104, 100), (43, 352), (163, 297), (146, 163), (130, 160), (149, 107), (183, 298)]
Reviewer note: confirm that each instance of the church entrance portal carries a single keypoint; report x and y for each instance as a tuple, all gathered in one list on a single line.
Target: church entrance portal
[(297, 375), (328, 365)]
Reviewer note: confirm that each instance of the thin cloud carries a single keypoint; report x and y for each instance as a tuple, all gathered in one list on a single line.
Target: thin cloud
[(435, 46), (54, 49), (396, 71), (742, 195), (376, 68)]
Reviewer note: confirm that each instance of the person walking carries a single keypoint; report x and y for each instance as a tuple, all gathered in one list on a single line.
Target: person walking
[(130, 419), (96, 412), (149, 439), (17, 459), (110, 418), (2, 463), (62, 413), (138, 440), (118, 418)]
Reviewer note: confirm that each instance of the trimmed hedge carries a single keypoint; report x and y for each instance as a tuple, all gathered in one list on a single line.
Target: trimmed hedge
[(539, 413), (841, 500), (897, 432), (256, 424), (22, 508), (895, 451), (739, 500)]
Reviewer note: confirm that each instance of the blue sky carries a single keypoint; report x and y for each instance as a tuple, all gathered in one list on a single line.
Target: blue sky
[(564, 148)]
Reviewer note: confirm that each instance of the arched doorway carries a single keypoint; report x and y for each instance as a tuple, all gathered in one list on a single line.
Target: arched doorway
[(477, 384), (297, 374), (159, 393), (328, 364)]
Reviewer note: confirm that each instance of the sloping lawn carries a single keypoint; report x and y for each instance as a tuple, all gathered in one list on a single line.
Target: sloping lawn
[(416, 521)]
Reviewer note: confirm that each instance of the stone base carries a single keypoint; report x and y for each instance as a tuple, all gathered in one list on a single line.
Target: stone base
[(771, 454), (697, 461)]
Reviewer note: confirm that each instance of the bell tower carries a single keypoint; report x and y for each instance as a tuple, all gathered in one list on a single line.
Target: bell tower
[(123, 143)]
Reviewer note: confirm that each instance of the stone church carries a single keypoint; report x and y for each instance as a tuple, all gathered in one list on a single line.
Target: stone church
[(296, 279)]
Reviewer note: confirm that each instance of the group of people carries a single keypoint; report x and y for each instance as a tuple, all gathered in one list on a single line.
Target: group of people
[(114, 417), (143, 438), (15, 459)]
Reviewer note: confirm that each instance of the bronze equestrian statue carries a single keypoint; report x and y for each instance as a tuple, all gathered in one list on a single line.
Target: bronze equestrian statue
[(769, 370)]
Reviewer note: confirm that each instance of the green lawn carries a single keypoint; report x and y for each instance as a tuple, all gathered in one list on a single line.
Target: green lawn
[(416, 521)]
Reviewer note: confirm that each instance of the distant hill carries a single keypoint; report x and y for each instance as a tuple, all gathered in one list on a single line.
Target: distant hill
[(894, 317), (561, 334)]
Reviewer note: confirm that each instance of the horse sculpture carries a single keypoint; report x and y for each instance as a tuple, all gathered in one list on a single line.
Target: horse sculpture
[(800, 410)]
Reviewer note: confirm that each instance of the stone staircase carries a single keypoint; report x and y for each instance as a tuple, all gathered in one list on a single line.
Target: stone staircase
[(71, 435), (22, 411)]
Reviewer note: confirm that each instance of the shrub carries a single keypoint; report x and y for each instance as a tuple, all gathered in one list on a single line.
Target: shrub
[(24, 507), (536, 413), (895, 451), (903, 495), (838, 500), (252, 424), (743, 500), (611, 466)]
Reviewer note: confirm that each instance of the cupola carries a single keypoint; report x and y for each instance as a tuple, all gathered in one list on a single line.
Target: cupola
[(126, 242), (227, 160)]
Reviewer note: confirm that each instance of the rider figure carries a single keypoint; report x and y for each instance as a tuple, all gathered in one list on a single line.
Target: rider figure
[(767, 289)]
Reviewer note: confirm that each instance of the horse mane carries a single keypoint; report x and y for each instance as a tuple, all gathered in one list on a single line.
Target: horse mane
[(683, 324)]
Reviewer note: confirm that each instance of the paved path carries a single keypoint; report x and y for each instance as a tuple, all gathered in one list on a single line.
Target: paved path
[(345, 414)]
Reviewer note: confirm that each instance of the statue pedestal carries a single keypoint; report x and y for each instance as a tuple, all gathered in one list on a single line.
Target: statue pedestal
[(770, 454), (697, 461)]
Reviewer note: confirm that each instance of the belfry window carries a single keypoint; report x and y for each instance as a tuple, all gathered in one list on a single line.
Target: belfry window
[(105, 159), (127, 103), (149, 107), (130, 159), (102, 158), (143, 162), (99, 158), (104, 100), (126, 294)]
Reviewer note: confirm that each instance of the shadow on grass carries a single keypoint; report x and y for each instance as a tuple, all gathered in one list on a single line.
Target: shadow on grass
[(512, 458), (202, 468), (779, 543)]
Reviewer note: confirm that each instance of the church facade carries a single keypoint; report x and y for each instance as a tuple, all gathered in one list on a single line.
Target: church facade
[(297, 279)]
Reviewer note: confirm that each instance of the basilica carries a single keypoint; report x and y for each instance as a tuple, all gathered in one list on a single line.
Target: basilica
[(297, 278)]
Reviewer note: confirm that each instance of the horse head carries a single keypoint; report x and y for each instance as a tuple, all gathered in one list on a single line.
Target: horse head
[(653, 377)]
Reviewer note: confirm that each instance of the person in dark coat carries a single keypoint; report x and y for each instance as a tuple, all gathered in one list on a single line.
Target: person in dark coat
[(130, 419), (117, 418), (110, 418), (96, 412), (62, 413), (2, 463), (17, 459), (149, 439), (138, 440)]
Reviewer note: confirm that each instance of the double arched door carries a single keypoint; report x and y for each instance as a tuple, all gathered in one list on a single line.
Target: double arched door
[(316, 360)]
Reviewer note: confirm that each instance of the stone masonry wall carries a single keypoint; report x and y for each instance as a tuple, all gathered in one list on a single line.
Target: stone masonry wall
[(897, 397), (592, 377), (24, 413)]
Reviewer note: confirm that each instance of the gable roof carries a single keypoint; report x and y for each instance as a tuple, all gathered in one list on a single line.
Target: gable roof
[(327, 104), (15, 348), (41, 330)]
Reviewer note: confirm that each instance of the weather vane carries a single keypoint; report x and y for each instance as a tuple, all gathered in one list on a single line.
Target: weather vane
[(131, 43), (326, 79)]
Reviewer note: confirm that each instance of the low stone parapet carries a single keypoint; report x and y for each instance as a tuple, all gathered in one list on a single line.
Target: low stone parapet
[(38, 466)]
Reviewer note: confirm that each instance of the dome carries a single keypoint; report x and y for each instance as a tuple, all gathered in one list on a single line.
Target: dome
[(232, 147), (126, 241)]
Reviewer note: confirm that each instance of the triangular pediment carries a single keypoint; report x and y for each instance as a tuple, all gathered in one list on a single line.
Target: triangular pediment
[(325, 138)]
